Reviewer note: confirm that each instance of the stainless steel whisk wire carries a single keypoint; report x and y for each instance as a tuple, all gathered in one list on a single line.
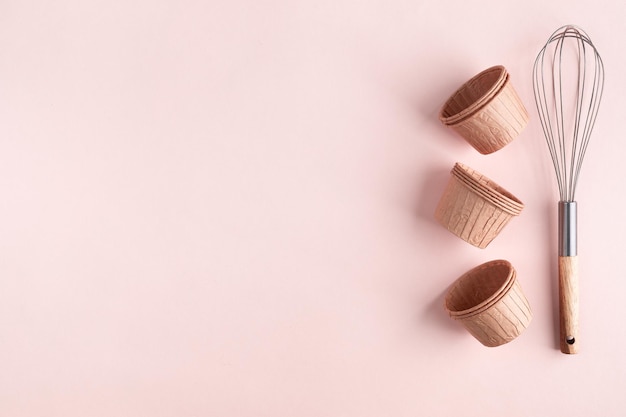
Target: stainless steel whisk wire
[(567, 172)]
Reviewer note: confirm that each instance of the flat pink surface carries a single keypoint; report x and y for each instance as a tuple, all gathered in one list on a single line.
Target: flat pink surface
[(225, 208)]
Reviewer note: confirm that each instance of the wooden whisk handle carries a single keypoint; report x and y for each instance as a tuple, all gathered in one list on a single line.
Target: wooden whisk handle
[(568, 303)]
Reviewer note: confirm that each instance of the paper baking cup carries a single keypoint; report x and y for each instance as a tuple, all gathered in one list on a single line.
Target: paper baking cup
[(475, 212), (489, 302), (495, 118)]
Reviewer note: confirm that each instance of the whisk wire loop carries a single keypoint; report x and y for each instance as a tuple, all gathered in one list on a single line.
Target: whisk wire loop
[(567, 131)]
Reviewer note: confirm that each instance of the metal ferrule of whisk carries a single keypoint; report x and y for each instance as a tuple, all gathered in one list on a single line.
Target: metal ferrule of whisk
[(567, 228)]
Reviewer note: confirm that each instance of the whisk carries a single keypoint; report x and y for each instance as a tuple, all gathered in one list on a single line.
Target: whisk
[(568, 80)]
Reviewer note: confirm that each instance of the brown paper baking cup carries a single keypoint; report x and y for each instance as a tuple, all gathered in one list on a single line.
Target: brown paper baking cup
[(472, 214), (489, 302), (487, 187), (498, 117)]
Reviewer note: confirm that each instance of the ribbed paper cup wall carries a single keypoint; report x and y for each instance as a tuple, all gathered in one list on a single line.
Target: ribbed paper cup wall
[(498, 318), (472, 214)]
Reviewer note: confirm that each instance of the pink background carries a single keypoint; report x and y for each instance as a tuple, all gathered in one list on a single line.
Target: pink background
[(224, 208)]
